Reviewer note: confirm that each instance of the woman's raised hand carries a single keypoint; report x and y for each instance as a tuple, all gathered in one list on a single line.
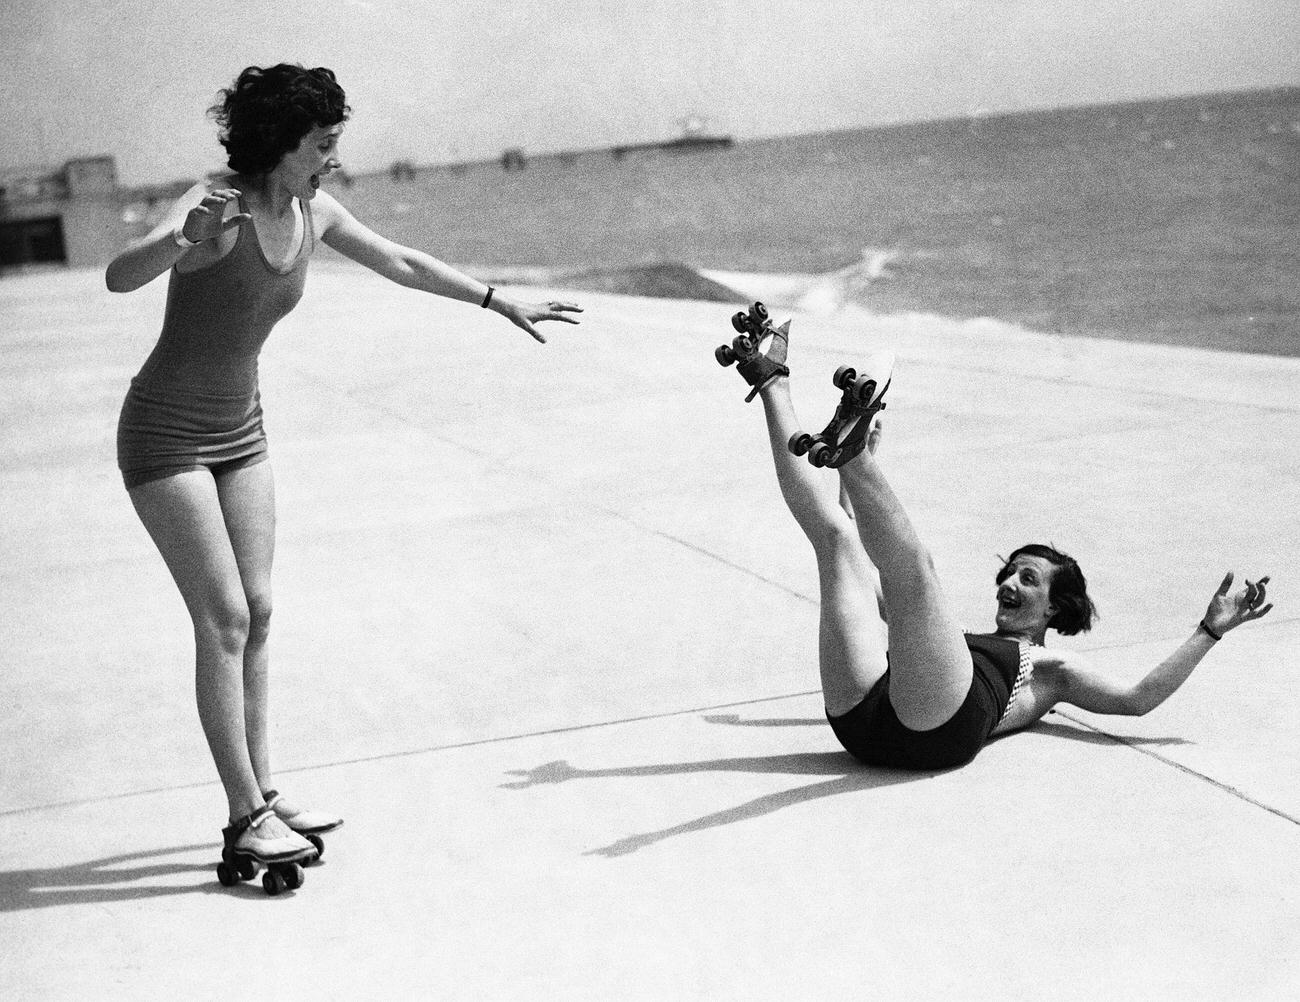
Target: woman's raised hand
[(207, 219), (1229, 609)]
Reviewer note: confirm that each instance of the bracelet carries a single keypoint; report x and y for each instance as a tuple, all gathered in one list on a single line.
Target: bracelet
[(181, 240), (1216, 637), (488, 298)]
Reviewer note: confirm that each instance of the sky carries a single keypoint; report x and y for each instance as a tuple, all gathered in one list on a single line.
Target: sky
[(434, 81)]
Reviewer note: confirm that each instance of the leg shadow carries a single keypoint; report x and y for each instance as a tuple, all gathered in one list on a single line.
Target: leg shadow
[(800, 764), (848, 776), (760, 806), (100, 880)]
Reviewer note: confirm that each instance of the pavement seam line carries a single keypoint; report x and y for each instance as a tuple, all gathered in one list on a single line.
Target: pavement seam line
[(708, 553), (356, 397), (1230, 790), (503, 739), (412, 752)]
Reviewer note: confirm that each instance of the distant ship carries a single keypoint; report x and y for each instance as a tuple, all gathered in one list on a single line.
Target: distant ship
[(693, 137)]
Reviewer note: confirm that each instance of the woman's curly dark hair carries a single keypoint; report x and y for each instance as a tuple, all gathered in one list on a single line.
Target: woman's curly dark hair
[(1068, 590), (266, 112)]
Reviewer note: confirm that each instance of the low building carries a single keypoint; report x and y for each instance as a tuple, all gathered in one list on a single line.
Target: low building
[(77, 216)]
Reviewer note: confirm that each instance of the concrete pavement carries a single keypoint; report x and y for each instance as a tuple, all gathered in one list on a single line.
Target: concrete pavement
[(546, 635)]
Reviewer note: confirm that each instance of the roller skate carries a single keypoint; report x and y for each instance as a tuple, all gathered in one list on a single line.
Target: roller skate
[(752, 329), (244, 852), (846, 435), (311, 825)]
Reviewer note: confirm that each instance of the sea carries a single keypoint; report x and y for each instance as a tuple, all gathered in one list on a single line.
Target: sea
[(1171, 221)]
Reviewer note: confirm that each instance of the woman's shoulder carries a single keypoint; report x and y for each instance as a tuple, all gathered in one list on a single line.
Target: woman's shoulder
[(1056, 660), (326, 209)]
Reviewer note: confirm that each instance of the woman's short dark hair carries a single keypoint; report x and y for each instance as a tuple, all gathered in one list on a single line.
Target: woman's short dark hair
[(265, 113), (1068, 590)]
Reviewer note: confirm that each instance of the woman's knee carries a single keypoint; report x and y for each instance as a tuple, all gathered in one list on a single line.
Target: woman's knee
[(259, 617), (224, 622), (835, 537), (913, 577)]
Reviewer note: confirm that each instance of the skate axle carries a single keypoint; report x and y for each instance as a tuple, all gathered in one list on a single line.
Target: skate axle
[(238, 867)]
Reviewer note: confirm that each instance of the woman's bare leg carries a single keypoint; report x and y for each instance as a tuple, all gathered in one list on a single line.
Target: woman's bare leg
[(852, 642), (247, 498), (183, 515), (873, 443), (930, 665)]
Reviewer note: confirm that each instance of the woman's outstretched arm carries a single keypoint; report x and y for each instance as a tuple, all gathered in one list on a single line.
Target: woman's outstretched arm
[(1069, 678), (417, 270)]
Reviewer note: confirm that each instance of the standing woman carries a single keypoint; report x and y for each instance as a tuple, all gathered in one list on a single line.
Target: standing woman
[(190, 442)]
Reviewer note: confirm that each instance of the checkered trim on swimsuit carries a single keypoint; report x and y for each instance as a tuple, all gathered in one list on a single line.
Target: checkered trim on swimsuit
[(1022, 676)]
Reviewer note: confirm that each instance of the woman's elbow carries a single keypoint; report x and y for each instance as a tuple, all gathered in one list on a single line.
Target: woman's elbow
[(405, 268), (1138, 703), (116, 281)]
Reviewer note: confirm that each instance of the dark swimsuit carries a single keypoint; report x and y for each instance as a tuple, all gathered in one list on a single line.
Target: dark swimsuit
[(872, 732), (195, 402)]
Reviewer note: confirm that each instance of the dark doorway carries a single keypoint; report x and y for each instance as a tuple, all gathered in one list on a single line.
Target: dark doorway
[(32, 241)]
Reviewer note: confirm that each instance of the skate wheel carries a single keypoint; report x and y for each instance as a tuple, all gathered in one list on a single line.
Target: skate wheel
[(319, 843), (724, 354), (742, 346), (820, 454), (800, 443), (863, 388), (759, 311), (293, 876), (738, 322), (272, 883), (226, 875), (246, 869), (844, 375)]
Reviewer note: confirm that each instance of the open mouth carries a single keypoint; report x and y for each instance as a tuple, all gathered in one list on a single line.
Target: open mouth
[(1008, 601), (315, 181)]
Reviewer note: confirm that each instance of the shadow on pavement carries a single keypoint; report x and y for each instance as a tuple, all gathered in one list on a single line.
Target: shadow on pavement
[(848, 777), (106, 880)]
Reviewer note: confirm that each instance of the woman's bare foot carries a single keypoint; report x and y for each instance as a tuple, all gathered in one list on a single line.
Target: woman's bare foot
[(874, 435)]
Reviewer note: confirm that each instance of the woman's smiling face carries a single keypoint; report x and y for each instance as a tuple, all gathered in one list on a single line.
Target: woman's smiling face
[(1024, 603)]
